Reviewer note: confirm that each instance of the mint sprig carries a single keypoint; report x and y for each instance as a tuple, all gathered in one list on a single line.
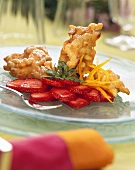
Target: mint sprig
[(63, 72)]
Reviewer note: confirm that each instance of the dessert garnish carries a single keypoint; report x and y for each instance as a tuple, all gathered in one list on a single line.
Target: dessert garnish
[(62, 72)]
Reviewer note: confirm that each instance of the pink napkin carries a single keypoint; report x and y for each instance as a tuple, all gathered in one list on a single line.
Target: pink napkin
[(82, 149), (47, 152)]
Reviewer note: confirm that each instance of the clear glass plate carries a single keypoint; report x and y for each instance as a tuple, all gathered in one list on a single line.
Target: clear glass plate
[(116, 122)]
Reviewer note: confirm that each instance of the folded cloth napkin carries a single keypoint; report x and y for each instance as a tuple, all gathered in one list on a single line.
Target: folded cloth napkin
[(81, 149)]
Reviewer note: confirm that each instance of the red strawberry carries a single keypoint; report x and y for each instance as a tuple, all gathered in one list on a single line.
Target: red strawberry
[(52, 82), (103, 99), (42, 97), (33, 85), (93, 95), (15, 84), (80, 89), (78, 103), (70, 82), (62, 94)]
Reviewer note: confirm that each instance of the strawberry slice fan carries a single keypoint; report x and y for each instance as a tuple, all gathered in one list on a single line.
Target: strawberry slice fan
[(64, 150)]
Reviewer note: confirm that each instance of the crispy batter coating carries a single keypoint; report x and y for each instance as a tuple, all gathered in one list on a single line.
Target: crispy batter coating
[(81, 42), (30, 64), (115, 85)]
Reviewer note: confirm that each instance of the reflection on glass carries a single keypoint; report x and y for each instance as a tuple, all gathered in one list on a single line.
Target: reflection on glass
[(123, 13)]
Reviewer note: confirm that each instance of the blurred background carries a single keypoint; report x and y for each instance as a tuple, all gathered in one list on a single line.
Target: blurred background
[(77, 12), (24, 22), (52, 24)]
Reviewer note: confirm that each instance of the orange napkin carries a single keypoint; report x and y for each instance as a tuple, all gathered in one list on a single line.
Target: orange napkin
[(82, 149)]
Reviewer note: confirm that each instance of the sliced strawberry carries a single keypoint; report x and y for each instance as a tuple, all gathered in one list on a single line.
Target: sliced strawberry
[(80, 89), (42, 97), (33, 85), (93, 95), (52, 82), (62, 94), (104, 99), (70, 82), (78, 103), (15, 84)]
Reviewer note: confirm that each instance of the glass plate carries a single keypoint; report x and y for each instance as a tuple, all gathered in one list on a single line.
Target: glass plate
[(116, 122)]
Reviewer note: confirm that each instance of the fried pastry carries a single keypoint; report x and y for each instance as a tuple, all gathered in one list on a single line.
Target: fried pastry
[(30, 64), (113, 83), (81, 43)]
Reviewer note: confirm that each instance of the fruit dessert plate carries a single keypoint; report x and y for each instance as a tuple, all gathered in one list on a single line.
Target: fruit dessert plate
[(115, 121), (93, 88)]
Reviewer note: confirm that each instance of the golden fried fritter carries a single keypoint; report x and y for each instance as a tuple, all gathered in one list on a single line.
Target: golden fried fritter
[(82, 42), (111, 82), (116, 85), (30, 64)]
